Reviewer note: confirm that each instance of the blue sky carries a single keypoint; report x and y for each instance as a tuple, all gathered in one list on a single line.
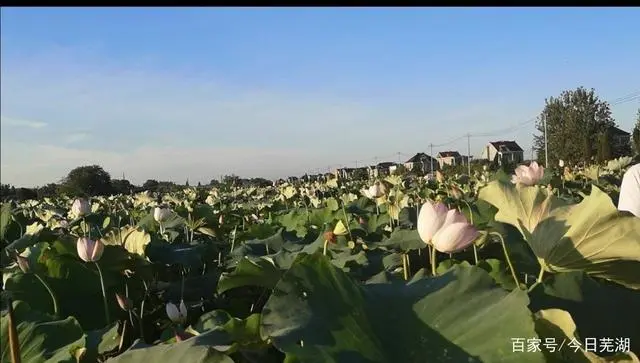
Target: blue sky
[(194, 93)]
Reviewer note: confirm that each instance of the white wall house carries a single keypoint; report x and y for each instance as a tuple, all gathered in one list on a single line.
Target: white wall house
[(503, 152)]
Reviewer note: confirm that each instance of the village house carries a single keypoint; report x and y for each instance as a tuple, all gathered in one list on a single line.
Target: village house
[(351, 173), (451, 158), (380, 169), (620, 140), (421, 162), (503, 152)]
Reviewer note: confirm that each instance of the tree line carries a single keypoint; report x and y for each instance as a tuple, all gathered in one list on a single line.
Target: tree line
[(93, 180)]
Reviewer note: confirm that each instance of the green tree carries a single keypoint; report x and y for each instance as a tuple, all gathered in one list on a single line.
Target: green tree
[(573, 122), (635, 135), (122, 186), (87, 181), (150, 185), (604, 147)]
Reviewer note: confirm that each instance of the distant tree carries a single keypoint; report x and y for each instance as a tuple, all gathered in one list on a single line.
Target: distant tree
[(199, 185), (604, 152), (48, 190), (122, 186), (260, 182), (150, 185), (230, 180), (26, 193), (574, 120), (186, 184), (87, 181), (635, 135)]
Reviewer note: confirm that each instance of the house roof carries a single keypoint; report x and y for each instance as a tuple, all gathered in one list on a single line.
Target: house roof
[(506, 145), (385, 164), (445, 154), (419, 157), (617, 131)]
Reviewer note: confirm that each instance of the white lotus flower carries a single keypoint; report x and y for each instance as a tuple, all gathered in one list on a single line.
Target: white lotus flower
[(88, 250), (178, 316), (161, 214), (80, 207), (561, 163), (528, 175)]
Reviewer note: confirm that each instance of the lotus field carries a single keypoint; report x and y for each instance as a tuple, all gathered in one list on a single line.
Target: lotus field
[(539, 266)]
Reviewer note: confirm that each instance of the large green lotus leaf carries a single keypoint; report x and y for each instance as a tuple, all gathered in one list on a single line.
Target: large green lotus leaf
[(558, 326), (260, 271), (41, 337), (229, 334), (133, 239), (319, 314), (521, 206), (197, 349), (591, 236), (599, 308)]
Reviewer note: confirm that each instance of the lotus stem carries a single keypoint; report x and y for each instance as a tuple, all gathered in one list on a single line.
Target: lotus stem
[(14, 342), (433, 261), (538, 280), (53, 296), (104, 294), (475, 249), (346, 220), (506, 256), (405, 267)]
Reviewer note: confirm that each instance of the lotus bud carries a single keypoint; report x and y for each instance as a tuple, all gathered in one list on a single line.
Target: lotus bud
[(561, 163), (362, 220), (220, 219), (528, 175), (376, 190), (80, 207), (23, 263), (485, 168), (455, 234), (439, 176), (161, 214), (124, 302), (178, 316), (430, 219), (88, 250)]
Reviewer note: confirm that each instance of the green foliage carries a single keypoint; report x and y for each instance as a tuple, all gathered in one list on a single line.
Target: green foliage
[(574, 120), (86, 181)]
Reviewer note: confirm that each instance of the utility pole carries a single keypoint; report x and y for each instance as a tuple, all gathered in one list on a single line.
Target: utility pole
[(546, 145), (431, 145), (533, 148), (469, 154)]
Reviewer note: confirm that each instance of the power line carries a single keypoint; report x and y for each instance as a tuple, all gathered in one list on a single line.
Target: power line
[(635, 95)]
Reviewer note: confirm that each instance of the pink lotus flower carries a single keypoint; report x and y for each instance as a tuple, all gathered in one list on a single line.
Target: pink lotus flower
[(447, 230), (430, 220), (455, 234), (88, 250), (528, 175)]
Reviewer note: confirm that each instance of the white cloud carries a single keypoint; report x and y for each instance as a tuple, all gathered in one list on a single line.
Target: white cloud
[(8, 121), (77, 137)]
